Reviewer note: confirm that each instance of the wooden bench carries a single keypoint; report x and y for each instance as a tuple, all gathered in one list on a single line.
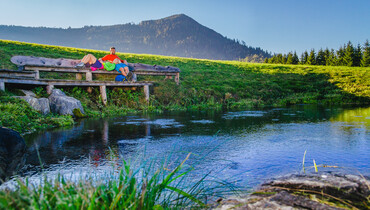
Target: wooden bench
[(38, 64), (13, 77), (29, 69), (79, 72)]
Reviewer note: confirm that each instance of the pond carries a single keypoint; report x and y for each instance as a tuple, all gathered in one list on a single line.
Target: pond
[(243, 147)]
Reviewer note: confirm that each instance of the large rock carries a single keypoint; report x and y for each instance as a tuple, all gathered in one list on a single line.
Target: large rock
[(40, 104), (62, 104), (313, 191), (12, 150), (29, 93)]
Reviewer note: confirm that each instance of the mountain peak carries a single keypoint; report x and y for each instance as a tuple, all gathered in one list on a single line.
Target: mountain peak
[(172, 18), (177, 16)]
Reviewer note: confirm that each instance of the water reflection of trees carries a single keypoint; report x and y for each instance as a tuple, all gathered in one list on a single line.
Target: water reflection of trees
[(357, 117)]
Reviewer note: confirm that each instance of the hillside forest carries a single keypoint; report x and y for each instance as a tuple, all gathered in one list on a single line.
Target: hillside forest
[(346, 55)]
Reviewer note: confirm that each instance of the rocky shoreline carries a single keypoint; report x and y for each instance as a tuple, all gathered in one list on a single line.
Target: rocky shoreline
[(326, 190)]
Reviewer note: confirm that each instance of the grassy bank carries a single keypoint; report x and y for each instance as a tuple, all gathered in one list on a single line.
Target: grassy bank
[(18, 115), (212, 84)]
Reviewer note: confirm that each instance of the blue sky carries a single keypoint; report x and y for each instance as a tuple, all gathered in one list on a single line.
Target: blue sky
[(276, 26)]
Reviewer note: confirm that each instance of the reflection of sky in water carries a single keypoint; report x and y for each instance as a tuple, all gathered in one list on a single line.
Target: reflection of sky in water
[(134, 141), (249, 146), (163, 123), (202, 121), (241, 114)]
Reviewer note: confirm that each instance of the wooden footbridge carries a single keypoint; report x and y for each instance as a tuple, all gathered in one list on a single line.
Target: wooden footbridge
[(29, 74)]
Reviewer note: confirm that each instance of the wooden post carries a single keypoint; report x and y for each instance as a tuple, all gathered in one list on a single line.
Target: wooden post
[(37, 75), (103, 94), (89, 89), (177, 78), (79, 76), (146, 92), (88, 76), (2, 85), (49, 89)]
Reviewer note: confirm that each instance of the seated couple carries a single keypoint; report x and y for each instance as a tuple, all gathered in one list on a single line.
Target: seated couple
[(121, 65)]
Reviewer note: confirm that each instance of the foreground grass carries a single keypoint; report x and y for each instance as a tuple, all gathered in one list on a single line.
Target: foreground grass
[(140, 188), (211, 84)]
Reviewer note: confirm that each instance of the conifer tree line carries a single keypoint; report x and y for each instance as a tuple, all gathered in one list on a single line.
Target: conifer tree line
[(347, 55)]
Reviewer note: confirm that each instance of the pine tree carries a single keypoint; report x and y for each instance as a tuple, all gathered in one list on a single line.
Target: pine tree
[(340, 57), (357, 56), (365, 62), (331, 59), (327, 57), (295, 58), (272, 59), (311, 60), (283, 59), (349, 55), (304, 58), (279, 58), (320, 59), (289, 59), (266, 60)]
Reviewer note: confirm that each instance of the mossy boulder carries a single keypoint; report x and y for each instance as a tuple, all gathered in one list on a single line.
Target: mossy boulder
[(62, 104), (78, 114)]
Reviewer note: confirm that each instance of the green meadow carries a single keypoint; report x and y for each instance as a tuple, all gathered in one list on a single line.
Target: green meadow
[(204, 84)]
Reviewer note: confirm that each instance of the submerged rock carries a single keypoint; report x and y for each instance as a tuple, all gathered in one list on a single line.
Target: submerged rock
[(313, 191), (62, 104), (12, 150)]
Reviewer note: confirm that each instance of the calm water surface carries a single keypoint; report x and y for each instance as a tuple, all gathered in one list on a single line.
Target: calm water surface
[(243, 146)]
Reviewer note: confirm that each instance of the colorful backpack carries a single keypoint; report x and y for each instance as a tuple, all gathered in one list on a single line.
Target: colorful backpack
[(109, 66), (120, 78)]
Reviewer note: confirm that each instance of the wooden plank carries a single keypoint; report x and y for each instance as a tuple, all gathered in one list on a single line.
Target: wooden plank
[(103, 94), (8, 72), (19, 74), (2, 85), (74, 82), (73, 70), (55, 69), (24, 81), (146, 92)]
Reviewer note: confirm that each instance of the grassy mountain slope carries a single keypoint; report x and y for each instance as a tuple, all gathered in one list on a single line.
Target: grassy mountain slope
[(177, 35), (213, 84)]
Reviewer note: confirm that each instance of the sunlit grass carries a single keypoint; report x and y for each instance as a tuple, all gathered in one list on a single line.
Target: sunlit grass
[(228, 83), (210, 84)]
